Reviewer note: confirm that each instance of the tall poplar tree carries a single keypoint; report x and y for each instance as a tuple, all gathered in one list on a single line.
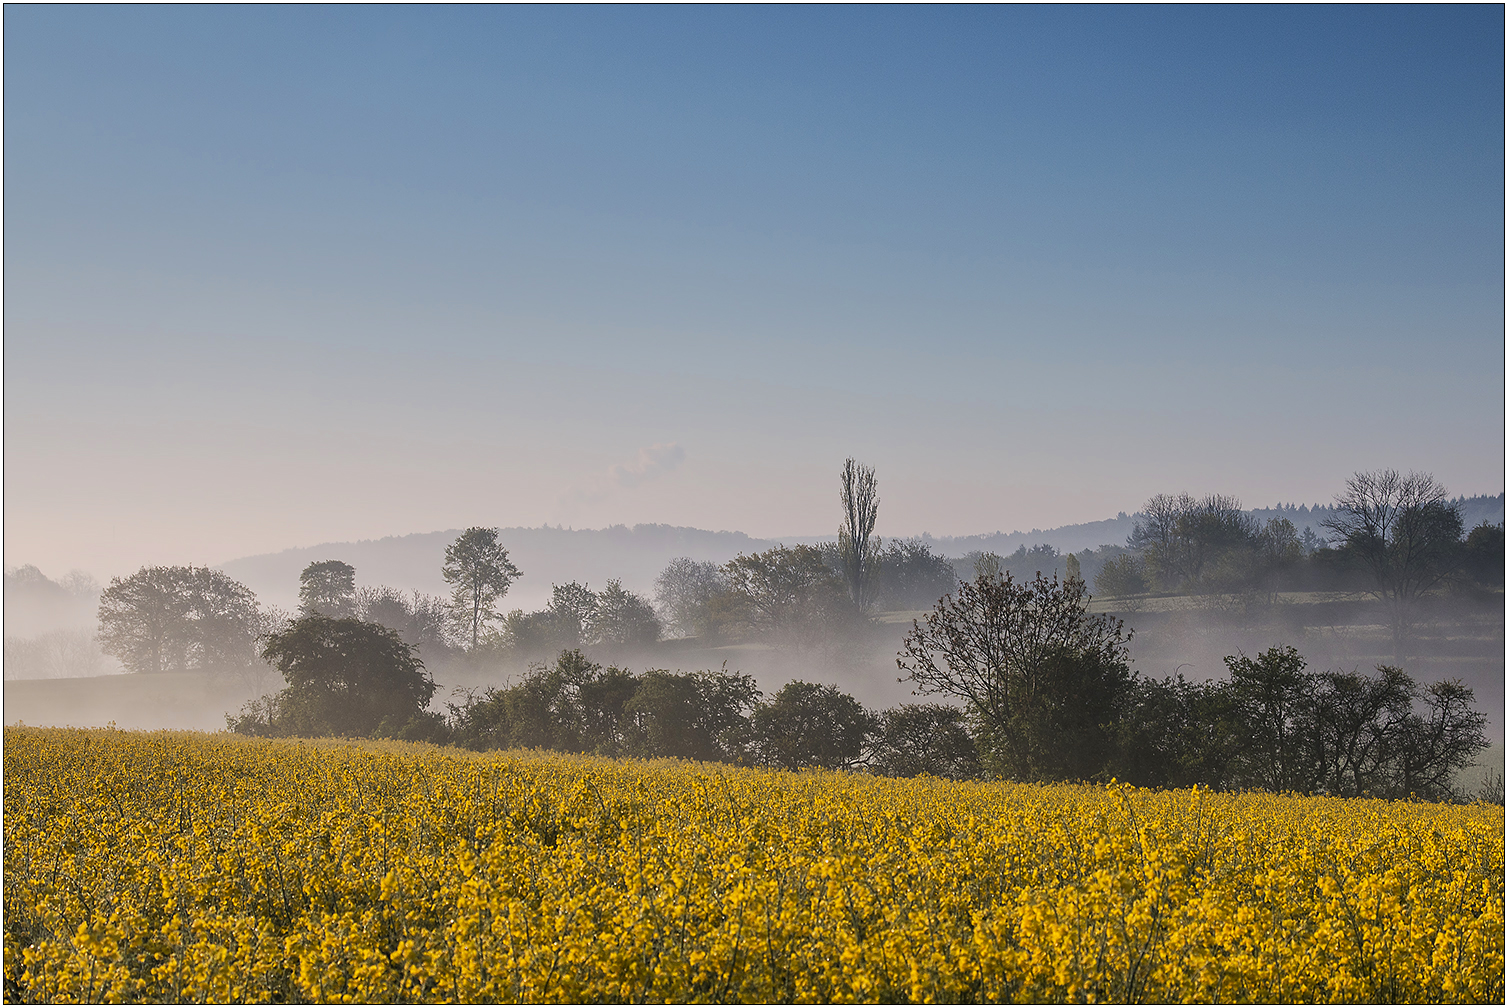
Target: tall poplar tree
[(857, 550)]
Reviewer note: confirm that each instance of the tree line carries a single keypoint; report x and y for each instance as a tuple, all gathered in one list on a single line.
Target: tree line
[(1039, 689), (1395, 538), (164, 619)]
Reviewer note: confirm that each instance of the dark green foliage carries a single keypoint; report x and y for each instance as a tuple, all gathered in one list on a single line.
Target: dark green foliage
[(345, 677), (546, 710), (1482, 560), (915, 739), (623, 618), (694, 715), (789, 595), (1276, 726), (911, 576), (1122, 576), (1041, 677), (1275, 705), (576, 705), (1063, 729), (1174, 733), (807, 725)]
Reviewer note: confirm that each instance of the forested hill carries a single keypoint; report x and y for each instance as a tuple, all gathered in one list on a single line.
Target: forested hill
[(553, 555)]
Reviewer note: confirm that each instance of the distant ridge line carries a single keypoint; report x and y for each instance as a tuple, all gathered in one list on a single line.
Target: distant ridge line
[(1075, 537)]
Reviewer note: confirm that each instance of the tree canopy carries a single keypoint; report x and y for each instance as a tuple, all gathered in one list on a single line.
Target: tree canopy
[(1034, 668), (345, 677), (1405, 532), (174, 618), (327, 588), (477, 565)]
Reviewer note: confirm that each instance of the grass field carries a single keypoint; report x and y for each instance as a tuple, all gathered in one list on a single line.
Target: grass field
[(189, 867)]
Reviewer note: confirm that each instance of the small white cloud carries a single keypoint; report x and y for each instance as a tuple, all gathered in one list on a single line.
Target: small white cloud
[(648, 464), (651, 462)]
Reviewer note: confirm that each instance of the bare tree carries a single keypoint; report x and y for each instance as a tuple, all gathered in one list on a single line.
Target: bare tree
[(1182, 538), (857, 551), (1407, 535)]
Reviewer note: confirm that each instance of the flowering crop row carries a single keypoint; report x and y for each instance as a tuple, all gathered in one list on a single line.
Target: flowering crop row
[(183, 867)]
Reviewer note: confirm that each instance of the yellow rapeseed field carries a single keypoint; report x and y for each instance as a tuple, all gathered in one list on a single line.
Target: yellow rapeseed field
[(191, 867)]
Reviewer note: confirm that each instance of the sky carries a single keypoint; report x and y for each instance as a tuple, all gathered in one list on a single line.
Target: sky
[(277, 276)]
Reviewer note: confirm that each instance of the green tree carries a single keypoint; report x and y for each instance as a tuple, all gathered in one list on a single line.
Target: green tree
[(1275, 705), (477, 565), (572, 609), (1405, 533), (910, 576), (684, 591), (1122, 576), (857, 550), (607, 725), (789, 594), (1483, 560), (1276, 726), (144, 620), (1042, 678), (808, 725), (694, 715), (173, 618), (1183, 541), (327, 588), (345, 678), (565, 624), (623, 618), (571, 705), (915, 739), (1176, 733)]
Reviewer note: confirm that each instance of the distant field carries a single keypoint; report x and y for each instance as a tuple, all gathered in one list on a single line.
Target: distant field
[(182, 867), (188, 700)]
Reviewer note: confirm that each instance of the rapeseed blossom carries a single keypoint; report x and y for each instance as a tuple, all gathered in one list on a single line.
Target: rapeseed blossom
[(189, 867)]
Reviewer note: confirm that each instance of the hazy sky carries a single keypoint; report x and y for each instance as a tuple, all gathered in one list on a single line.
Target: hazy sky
[(283, 275)]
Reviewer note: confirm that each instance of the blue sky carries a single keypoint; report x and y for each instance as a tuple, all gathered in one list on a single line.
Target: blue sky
[(281, 275)]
